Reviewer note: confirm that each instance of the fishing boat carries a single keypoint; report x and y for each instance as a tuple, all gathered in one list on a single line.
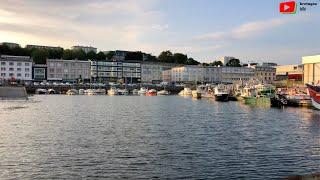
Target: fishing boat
[(51, 91), (71, 92), (221, 93), (142, 91), (196, 94), (41, 91), (124, 92), (151, 92), (185, 92), (100, 91), (258, 94), (135, 91), (205, 91), (90, 92), (81, 91), (112, 91), (163, 93), (314, 92)]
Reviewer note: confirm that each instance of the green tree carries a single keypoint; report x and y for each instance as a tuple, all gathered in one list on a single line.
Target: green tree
[(101, 56), (55, 53), (234, 63), (40, 56), (68, 54), (180, 58), (138, 56), (191, 61), (79, 54), (166, 56), (216, 63), (91, 55), (110, 55)]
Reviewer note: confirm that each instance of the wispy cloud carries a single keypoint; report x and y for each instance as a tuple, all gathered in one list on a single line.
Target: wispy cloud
[(249, 29)]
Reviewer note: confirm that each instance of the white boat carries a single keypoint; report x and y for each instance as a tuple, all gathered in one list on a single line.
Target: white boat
[(124, 92), (81, 91), (221, 93), (100, 91), (196, 94), (112, 91), (135, 92), (142, 91), (185, 92), (51, 91), (163, 93), (41, 91), (71, 92), (91, 92)]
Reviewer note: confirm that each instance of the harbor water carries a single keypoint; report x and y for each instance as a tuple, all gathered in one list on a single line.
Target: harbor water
[(168, 137)]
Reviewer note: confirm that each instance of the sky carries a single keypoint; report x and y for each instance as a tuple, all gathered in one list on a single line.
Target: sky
[(251, 30)]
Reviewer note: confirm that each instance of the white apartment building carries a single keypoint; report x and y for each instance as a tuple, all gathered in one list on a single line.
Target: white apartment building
[(209, 74), (229, 74), (192, 73), (152, 71), (17, 67), (225, 59), (86, 49), (68, 70)]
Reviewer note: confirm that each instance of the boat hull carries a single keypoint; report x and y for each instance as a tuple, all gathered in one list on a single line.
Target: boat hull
[(221, 97), (315, 95)]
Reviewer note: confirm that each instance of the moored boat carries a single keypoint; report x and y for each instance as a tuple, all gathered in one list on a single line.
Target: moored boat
[(112, 91), (71, 92), (135, 92), (124, 92), (90, 92), (142, 91), (151, 92), (163, 93), (314, 92), (185, 92), (196, 94), (221, 93)]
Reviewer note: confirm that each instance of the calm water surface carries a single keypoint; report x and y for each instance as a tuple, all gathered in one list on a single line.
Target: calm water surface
[(82, 137)]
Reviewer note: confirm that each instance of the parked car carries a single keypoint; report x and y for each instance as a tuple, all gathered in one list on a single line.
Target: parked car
[(36, 84)]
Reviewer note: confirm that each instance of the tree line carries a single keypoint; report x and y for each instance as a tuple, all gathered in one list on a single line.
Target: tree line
[(39, 56)]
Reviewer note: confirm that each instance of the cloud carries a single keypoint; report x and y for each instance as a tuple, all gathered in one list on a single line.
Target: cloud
[(249, 29)]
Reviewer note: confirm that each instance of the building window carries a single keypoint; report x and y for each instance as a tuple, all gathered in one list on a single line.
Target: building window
[(19, 75), (11, 74), (11, 63), (19, 64), (3, 63), (18, 69), (11, 69), (3, 74), (65, 64), (27, 64), (51, 70), (3, 68), (27, 75), (27, 69)]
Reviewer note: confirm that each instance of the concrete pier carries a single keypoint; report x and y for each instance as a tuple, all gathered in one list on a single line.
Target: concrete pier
[(13, 93)]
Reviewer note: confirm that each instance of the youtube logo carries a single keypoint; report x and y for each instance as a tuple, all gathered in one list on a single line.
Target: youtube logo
[(287, 7)]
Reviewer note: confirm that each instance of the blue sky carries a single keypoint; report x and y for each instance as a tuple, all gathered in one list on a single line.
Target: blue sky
[(251, 30)]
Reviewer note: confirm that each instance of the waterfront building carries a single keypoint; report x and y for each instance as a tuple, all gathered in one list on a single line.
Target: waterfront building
[(42, 47), (15, 67), (265, 74), (10, 44), (68, 70), (166, 75), (151, 72), (188, 74), (86, 49), (311, 69), (113, 71), (39, 72), (291, 72), (229, 74), (225, 59)]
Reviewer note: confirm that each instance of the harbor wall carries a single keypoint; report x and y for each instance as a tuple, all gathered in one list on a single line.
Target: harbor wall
[(10, 92)]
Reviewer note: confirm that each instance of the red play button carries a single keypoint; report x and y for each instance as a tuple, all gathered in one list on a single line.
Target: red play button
[(287, 7)]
